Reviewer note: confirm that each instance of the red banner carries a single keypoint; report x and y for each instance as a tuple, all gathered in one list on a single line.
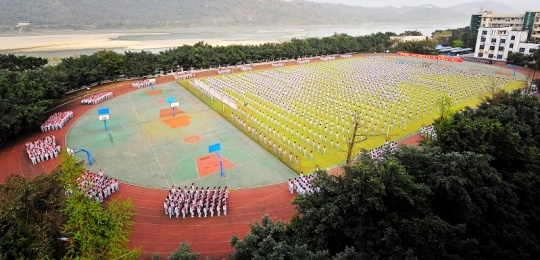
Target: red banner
[(431, 57)]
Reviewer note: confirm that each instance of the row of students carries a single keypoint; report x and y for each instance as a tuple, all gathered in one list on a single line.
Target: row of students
[(302, 185), (143, 83), (42, 150), (56, 121), (97, 186), (196, 201), (97, 98)]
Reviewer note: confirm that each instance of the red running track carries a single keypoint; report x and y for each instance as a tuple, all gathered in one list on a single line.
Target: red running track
[(153, 231)]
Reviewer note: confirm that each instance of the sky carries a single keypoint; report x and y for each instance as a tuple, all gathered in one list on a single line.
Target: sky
[(516, 4)]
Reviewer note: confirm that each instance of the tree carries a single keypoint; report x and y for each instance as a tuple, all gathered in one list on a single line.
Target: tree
[(457, 43), (270, 240), (183, 253), (411, 33), (377, 209), (112, 62), (96, 232), (516, 58), (31, 217), (444, 104)]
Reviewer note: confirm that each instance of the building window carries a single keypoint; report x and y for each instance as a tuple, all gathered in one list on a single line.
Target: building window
[(499, 57), (483, 40), (503, 40), (482, 47), (493, 40), (490, 56), (480, 55), (512, 38), (484, 32), (521, 50), (491, 48), (501, 48), (511, 45)]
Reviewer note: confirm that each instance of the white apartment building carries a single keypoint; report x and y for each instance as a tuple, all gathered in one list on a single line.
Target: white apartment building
[(496, 43), (500, 34)]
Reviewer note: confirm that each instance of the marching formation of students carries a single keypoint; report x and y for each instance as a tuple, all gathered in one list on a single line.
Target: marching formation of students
[(143, 83), (97, 98), (308, 112), (195, 200), (97, 186), (428, 132), (56, 121), (42, 150), (302, 185)]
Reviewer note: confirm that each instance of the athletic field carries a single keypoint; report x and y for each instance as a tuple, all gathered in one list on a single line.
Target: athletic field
[(146, 145), (304, 115)]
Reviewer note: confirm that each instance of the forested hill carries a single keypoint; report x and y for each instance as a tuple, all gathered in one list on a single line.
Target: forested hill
[(101, 14)]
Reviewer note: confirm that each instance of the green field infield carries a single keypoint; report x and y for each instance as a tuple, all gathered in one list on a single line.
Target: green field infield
[(393, 96), (140, 149)]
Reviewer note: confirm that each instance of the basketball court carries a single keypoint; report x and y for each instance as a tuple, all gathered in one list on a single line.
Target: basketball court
[(147, 144)]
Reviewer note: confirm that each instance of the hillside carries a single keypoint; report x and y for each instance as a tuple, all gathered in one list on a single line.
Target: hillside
[(104, 14)]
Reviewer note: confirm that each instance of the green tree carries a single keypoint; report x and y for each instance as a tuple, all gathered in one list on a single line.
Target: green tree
[(31, 217), (96, 231), (516, 58), (270, 240), (183, 253), (457, 43), (112, 62)]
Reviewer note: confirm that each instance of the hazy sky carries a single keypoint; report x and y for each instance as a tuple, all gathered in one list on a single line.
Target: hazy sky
[(517, 4)]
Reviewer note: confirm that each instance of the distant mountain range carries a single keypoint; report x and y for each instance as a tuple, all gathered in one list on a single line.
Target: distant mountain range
[(106, 14)]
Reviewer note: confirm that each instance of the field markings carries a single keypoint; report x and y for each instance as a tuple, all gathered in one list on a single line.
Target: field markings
[(134, 108), (155, 156)]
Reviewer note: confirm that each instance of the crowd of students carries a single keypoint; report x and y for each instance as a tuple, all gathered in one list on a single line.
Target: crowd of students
[(42, 150), (143, 83), (278, 64), (246, 68), (183, 75), (302, 185), (222, 71), (379, 153), (97, 98), (428, 132), (97, 186), (327, 57), (303, 60), (195, 200), (56, 121)]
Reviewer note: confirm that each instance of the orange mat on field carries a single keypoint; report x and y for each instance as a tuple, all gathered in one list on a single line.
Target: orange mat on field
[(209, 164), (178, 121), (164, 112), (160, 101), (154, 92), (192, 139)]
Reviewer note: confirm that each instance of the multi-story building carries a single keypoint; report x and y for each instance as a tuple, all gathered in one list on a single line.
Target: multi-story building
[(500, 34)]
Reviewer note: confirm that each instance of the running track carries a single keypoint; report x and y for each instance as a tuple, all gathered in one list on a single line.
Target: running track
[(153, 232)]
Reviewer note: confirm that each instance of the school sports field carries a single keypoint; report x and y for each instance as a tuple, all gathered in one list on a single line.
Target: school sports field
[(304, 115), (146, 145), (153, 232)]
